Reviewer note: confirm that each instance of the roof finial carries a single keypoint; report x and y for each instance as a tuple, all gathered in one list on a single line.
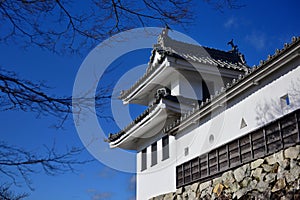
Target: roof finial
[(166, 30), (163, 36), (234, 47)]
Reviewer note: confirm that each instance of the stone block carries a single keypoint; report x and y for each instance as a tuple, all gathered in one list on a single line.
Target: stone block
[(246, 182), (218, 189), (191, 195), (228, 178), (289, 177), (271, 177), (292, 152), (274, 158), (257, 173), (213, 196), (256, 163), (185, 195), (271, 160), (279, 156), (194, 187), (206, 193), (247, 169), (240, 193), (204, 185), (284, 163), (295, 171), (178, 197), (203, 194), (216, 181), (252, 184), (234, 187), (281, 172), (169, 196), (262, 176), (293, 163), (160, 197), (279, 185), (239, 174), (270, 168), (179, 190), (262, 186), (187, 187), (209, 190)]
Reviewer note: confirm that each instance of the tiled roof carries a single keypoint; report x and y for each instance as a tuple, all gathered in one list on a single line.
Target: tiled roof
[(115, 136), (195, 53), (229, 86), (201, 105), (191, 102), (192, 53)]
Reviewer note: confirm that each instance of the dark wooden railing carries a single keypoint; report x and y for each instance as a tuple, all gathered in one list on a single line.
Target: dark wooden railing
[(275, 136)]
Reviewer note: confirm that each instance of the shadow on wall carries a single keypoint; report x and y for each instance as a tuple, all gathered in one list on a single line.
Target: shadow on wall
[(274, 108)]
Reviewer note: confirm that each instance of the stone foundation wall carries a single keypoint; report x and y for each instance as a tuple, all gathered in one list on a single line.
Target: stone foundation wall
[(274, 177)]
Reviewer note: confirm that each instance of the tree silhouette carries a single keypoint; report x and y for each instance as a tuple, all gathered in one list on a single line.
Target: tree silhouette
[(7, 194), (62, 26), (71, 26)]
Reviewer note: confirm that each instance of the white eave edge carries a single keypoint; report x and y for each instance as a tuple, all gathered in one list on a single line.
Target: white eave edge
[(135, 130), (146, 82)]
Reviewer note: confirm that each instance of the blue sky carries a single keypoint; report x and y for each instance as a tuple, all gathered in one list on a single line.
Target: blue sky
[(258, 29)]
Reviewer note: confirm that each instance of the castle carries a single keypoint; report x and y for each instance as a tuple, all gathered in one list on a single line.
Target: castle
[(207, 112)]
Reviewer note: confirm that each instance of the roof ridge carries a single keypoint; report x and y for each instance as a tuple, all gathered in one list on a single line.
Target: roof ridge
[(166, 43), (164, 35), (196, 45)]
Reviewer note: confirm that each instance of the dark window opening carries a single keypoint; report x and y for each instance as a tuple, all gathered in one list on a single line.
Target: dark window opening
[(154, 154), (285, 103), (144, 159), (207, 89), (186, 151), (243, 123), (165, 148), (285, 100)]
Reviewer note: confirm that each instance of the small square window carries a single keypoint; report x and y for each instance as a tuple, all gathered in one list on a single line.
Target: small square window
[(285, 101), (186, 151), (243, 123)]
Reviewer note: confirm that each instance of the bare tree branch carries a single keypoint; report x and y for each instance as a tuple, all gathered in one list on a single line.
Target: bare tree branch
[(223, 4), (18, 94), (68, 29), (65, 26), (16, 163), (7, 194)]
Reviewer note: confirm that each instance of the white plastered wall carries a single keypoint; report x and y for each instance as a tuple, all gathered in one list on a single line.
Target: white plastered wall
[(157, 179), (258, 108)]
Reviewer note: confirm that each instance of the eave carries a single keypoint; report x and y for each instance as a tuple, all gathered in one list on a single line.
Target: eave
[(152, 123), (159, 61), (146, 84), (141, 130), (162, 73)]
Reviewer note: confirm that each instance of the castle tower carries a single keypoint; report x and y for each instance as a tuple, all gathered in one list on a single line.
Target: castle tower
[(179, 79)]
